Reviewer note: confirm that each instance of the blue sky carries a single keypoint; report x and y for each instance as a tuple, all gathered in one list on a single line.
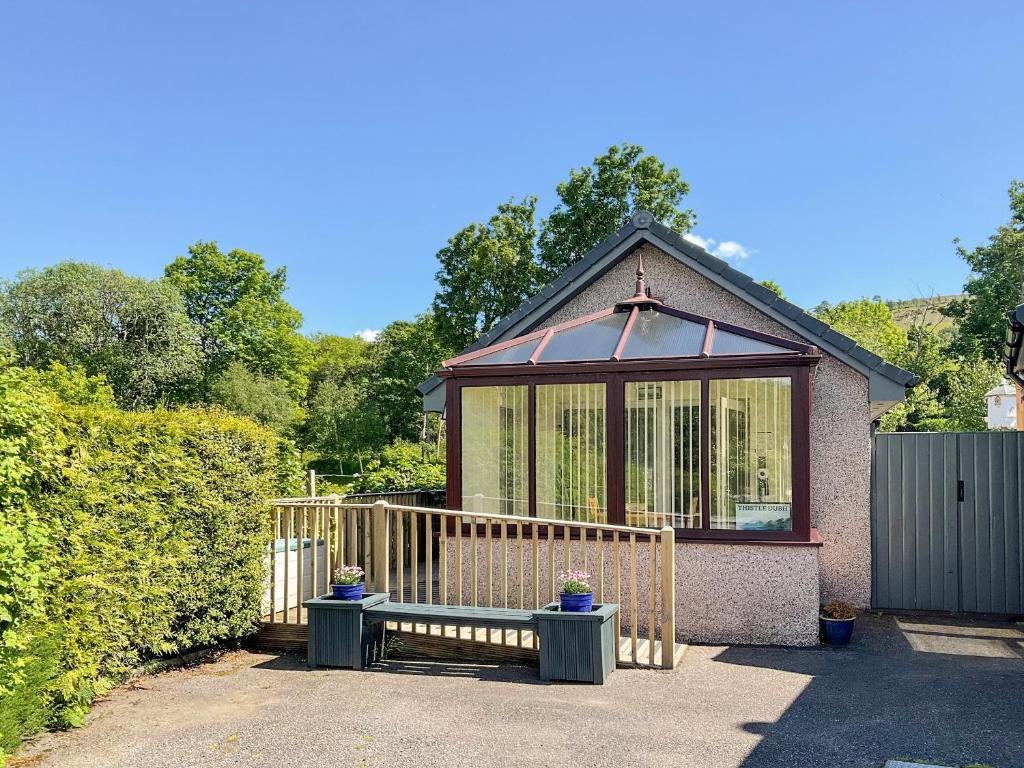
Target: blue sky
[(842, 145)]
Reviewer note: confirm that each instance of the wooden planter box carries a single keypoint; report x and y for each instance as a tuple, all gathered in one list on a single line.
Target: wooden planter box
[(337, 634), (577, 646)]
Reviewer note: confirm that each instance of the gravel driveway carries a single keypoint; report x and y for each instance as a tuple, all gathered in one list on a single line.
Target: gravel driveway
[(952, 692)]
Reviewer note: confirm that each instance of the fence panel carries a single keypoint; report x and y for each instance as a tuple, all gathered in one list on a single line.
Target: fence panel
[(946, 527)]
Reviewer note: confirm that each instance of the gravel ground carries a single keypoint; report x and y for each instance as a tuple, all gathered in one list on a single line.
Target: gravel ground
[(927, 689)]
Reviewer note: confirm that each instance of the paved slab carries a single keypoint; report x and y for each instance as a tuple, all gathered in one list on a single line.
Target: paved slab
[(955, 699)]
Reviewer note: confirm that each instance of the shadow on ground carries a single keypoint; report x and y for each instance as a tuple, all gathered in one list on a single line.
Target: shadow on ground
[(497, 673), (942, 689)]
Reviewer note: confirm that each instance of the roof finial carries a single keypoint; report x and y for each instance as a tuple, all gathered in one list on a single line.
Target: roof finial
[(641, 286)]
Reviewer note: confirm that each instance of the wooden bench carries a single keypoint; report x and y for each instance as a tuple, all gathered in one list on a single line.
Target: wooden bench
[(452, 615)]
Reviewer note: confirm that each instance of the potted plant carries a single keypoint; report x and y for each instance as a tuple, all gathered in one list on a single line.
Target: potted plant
[(575, 593), (348, 583), (836, 620)]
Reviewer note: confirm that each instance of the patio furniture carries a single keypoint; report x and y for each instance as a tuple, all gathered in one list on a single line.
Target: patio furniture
[(338, 636), (578, 647), (452, 615)]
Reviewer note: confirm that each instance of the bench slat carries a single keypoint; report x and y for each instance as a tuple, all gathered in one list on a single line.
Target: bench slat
[(452, 615)]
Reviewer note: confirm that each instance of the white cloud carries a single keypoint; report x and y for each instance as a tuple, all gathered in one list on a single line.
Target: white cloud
[(698, 240), (728, 249), (367, 334)]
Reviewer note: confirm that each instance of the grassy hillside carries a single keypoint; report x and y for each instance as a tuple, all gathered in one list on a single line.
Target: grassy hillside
[(911, 312)]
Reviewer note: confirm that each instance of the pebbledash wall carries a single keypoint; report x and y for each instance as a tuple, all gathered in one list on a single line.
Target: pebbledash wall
[(763, 593), (725, 593)]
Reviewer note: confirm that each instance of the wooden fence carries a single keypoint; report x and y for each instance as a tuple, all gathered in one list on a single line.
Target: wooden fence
[(427, 555)]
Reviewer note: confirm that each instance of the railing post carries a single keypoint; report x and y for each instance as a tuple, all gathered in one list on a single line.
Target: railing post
[(668, 598), (379, 563), (311, 483)]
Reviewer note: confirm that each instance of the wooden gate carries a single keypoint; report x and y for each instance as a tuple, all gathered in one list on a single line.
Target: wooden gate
[(947, 522)]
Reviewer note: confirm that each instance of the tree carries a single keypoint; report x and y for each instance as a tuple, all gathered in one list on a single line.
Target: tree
[(404, 355), (262, 399), (870, 323), (238, 306), (995, 285), (342, 421), (596, 200), (487, 270), (336, 358), (133, 332), (774, 287)]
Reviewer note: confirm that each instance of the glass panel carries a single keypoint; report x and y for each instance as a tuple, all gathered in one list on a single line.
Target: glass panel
[(495, 451), (595, 340), (657, 334), (663, 454), (518, 353), (751, 472), (571, 452), (725, 343)]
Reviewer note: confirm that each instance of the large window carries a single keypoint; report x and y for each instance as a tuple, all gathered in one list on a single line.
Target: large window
[(751, 469), (710, 455), (570, 434), (662, 434), (495, 450)]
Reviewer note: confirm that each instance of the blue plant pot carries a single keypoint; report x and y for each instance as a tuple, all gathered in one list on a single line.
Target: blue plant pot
[(348, 591), (576, 603), (836, 631)]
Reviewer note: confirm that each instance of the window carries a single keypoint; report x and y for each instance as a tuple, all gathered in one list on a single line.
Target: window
[(662, 433), (495, 450), (570, 436), (751, 473)]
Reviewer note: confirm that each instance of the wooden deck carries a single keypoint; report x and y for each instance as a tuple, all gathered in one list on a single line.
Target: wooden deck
[(447, 643)]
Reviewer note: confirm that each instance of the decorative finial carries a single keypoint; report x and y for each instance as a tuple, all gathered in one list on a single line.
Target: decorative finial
[(641, 286)]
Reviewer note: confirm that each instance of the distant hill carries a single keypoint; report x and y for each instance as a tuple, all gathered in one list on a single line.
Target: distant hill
[(911, 312)]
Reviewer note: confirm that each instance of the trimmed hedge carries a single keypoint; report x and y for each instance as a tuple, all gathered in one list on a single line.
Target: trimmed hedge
[(123, 537)]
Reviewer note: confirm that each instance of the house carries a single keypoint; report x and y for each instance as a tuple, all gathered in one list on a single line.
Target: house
[(1001, 403), (652, 384)]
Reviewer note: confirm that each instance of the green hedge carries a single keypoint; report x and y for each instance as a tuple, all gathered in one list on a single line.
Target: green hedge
[(123, 537)]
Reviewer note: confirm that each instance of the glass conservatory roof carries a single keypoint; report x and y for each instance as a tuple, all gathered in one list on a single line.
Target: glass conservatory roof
[(638, 328)]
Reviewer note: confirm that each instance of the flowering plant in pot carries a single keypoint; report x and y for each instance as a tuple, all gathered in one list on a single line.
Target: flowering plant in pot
[(836, 620), (348, 583), (575, 593)]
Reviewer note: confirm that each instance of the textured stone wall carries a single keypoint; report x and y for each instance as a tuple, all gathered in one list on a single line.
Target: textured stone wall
[(840, 423), (725, 593), (761, 594)]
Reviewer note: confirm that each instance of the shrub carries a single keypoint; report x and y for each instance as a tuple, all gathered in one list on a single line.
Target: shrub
[(403, 466), (126, 536)]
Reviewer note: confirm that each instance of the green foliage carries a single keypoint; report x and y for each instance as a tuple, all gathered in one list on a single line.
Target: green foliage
[(238, 308), (995, 286), (133, 332), (596, 200), (28, 459), (950, 395), (341, 422), (403, 356), (123, 536), (774, 287), (264, 400), (403, 466), (487, 270), (74, 386), (336, 358), (870, 323)]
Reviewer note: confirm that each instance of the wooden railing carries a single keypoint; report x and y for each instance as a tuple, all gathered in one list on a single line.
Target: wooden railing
[(427, 555)]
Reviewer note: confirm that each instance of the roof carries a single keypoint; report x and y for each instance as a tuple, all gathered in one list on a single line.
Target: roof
[(1002, 389), (887, 382), (637, 329)]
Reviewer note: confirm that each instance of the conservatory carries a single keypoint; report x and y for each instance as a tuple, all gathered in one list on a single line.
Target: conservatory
[(639, 414)]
